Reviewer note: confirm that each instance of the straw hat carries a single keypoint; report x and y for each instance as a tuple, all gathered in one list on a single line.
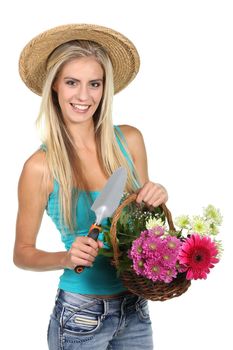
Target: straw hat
[(122, 52)]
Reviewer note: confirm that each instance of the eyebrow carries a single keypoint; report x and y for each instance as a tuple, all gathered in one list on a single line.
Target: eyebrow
[(92, 80)]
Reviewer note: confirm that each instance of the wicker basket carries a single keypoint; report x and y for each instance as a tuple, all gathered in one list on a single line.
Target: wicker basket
[(140, 285)]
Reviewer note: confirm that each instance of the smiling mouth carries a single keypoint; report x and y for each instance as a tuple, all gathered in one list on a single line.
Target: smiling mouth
[(78, 107)]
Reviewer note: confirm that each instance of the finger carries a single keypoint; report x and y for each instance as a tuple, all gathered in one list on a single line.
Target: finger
[(154, 198), (92, 243), (159, 193), (159, 201), (80, 262), (100, 244), (151, 196), (141, 194), (83, 248), (148, 194), (83, 252), (162, 193), (86, 256), (76, 255), (85, 240)]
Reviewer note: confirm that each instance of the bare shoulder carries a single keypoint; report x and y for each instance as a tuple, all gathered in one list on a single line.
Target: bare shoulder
[(133, 135), (137, 150), (35, 170), (35, 164)]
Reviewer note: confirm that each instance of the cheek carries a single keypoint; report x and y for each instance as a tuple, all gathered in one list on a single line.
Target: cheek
[(63, 92), (98, 96), (61, 98)]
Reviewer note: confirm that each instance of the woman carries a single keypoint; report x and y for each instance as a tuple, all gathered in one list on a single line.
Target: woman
[(77, 69)]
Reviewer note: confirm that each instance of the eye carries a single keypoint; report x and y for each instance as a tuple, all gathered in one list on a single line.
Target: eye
[(95, 84), (70, 82)]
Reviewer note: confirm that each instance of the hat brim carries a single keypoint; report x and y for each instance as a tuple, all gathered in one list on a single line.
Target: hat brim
[(122, 52)]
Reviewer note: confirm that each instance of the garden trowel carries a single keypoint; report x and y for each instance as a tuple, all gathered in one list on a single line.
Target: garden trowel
[(106, 203)]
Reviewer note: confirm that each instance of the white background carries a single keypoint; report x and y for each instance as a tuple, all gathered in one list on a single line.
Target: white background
[(181, 100)]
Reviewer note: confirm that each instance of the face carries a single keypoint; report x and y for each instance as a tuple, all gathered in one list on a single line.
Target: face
[(79, 87)]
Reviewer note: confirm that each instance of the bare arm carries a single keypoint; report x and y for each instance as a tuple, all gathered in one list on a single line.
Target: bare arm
[(33, 194), (32, 199), (151, 193)]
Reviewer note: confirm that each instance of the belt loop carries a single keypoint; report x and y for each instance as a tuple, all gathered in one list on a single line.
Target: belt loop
[(122, 306), (137, 304), (106, 308)]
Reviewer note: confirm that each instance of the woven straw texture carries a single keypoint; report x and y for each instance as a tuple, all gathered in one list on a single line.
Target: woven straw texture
[(156, 291), (122, 53)]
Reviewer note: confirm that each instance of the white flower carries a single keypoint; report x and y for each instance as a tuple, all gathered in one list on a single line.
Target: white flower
[(219, 247), (153, 222), (213, 229), (213, 214), (182, 221), (199, 225)]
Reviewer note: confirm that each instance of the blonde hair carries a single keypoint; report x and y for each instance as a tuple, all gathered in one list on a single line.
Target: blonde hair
[(62, 159)]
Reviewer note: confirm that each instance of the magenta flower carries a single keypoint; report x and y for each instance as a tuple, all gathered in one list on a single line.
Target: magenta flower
[(173, 243), (138, 265), (156, 231), (155, 257), (168, 259), (153, 270), (136, 250), (171, 250), (151, 246), (198, 254), (169, 274)]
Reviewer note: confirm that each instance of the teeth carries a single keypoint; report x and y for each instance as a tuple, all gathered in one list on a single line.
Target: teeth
[(82, 107)]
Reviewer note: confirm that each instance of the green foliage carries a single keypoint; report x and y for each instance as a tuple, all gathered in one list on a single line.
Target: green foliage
[(133, 221), (125, 263)]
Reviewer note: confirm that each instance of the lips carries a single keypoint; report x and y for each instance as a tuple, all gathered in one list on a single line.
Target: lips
[(79, 107)]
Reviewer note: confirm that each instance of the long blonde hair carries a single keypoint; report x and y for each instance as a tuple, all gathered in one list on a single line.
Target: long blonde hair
[(62, 159)]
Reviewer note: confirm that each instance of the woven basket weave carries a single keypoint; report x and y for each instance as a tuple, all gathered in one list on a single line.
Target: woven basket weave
[(139, 285)]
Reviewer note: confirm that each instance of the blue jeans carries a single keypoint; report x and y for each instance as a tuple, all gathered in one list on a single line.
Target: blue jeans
[(81, 322)]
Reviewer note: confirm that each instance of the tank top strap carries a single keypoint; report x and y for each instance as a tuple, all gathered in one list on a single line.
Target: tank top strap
[(123, 145), (43, 147)]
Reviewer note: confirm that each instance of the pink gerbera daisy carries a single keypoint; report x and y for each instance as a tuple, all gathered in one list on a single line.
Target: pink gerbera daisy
[(136, 250), (198, 254), (156, 231), (169, 275), (138, 265), (151, 247), (153, 270)]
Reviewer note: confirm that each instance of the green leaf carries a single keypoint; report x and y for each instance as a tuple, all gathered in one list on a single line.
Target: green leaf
[(106, 252)]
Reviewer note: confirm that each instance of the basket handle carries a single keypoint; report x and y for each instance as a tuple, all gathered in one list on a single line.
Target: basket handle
[(131, 198)]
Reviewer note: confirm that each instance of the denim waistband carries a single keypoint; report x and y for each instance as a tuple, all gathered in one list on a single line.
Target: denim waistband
[(113, 305)]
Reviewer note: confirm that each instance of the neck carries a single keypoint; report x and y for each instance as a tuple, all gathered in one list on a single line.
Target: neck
[(83, 135)]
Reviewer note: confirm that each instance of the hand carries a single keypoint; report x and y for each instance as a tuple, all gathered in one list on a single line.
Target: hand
[(152, 194), (82, 252)]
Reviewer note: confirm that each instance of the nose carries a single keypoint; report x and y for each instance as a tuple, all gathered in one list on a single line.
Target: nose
[(82, 92)]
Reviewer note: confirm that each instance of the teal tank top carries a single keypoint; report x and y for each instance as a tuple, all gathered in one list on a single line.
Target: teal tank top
[(101, 279)]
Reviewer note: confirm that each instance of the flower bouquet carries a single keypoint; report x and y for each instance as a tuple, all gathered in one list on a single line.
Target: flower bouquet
[(157, 260)]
